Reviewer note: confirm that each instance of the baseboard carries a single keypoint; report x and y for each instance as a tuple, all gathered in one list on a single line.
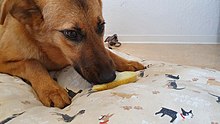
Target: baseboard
[(171, 39)]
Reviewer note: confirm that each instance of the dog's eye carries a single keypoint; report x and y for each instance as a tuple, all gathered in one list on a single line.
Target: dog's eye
[(72, 35), (101, 27)]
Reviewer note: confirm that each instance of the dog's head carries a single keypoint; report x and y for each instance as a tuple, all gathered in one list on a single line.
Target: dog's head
[(75, 28)]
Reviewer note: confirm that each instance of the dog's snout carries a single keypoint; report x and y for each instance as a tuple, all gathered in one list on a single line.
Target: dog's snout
[(107, 77)]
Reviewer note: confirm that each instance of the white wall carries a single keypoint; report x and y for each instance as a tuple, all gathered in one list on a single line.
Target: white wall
[(156, 21)]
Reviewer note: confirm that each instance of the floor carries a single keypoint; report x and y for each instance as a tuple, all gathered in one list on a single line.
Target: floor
[(205, 56)]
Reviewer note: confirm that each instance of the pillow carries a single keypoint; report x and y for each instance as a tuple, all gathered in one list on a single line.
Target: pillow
[(167, 93)]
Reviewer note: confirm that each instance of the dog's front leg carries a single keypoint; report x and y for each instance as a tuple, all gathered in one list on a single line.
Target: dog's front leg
[(122, 64), (48, 91)]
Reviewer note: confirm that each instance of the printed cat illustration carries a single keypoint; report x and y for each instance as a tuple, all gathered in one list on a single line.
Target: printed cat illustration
[(172, 77), (104, 119), (175, 115), (173, 85), (218, 97)]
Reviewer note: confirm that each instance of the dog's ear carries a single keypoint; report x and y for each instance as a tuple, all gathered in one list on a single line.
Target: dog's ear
[(5, 6), (100, 2), (25, 11)]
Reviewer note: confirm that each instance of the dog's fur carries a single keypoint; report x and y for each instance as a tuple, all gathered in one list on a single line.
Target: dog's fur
[(34, 40)]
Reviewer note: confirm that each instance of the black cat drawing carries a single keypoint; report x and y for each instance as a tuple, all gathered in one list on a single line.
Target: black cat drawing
[(218, 97), (173, 85), (175, 115)]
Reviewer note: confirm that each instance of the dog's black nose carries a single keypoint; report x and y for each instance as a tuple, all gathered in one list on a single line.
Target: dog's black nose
[(107, 77)]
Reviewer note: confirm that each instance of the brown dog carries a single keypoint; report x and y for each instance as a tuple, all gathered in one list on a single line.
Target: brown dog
[(37, 36)]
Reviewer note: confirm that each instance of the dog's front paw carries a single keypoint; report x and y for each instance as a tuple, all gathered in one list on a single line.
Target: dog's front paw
[(134, 66), (130, 66), (54, 96)]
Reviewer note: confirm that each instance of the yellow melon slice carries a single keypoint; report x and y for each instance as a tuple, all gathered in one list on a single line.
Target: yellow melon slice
[(121, 78)]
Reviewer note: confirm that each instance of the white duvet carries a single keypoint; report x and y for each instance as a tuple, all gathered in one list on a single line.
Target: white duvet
[(135, 103)]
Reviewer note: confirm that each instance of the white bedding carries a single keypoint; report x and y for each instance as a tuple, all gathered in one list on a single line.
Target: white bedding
[(134, 103)]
